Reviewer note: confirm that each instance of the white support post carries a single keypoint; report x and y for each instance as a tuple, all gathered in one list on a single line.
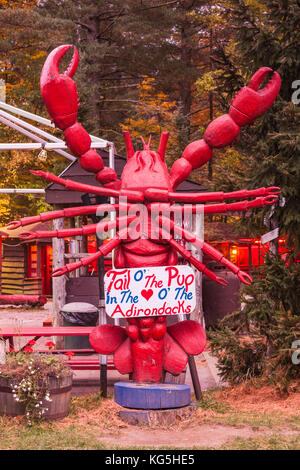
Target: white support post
[(48, 146), (198, 229), (41, 120), (22, 191), (11, 121), (2, 352)]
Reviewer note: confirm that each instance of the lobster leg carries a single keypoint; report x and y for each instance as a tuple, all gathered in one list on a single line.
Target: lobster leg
[(136, 196), (188, 256), (199, 198), (69, 212), (239, 206), (103, 251), (206, 248), (73, 232)]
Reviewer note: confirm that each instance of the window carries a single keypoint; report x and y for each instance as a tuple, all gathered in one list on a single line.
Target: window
[(92, 248), (32, 264)]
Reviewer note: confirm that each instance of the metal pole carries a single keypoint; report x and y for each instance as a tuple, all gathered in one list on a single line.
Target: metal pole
[(30, 127), (41, 120), (21, 191), (198, 220), (195, 378), (47, 146), (102, 314)]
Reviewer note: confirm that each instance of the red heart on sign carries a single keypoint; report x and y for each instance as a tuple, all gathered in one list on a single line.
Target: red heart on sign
[(147, 293)]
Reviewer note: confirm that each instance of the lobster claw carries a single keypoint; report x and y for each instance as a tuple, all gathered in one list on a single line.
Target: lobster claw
[(250, 102), (59, 90)]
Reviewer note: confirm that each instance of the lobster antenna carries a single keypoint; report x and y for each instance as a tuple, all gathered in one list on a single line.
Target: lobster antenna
[(163, 144), (144, 143), (128, 144), (146, 146)]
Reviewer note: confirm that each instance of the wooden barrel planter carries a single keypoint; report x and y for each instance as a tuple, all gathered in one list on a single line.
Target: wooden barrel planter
[(60, 394)]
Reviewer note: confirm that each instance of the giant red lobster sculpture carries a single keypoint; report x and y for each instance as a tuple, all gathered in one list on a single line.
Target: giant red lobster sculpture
[(146, 347)]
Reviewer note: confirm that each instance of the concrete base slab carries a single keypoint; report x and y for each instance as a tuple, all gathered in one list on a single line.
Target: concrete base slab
[(157, 417)]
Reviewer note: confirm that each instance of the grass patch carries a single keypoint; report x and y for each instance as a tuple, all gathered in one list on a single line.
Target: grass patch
[(209, 402), (46, 437), (217, 409), (256, 421), (93, 424), (273, 442), (86, 402)]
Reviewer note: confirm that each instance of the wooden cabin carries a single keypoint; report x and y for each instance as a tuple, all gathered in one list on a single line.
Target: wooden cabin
[(246, 252), (26, 266)]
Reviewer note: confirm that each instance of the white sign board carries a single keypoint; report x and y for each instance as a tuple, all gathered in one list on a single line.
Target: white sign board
[(149, 292), (267, 237)]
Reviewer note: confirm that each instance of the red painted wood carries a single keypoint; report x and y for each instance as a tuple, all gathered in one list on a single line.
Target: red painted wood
[(105, 339), (15, 299), (123, 358), (145, 178), (147, 359), (190, 335), (91, 367), (8, 331), (175, 358)]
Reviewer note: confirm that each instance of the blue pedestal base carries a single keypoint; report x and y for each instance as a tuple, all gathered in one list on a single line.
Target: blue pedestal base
[(152, 396)]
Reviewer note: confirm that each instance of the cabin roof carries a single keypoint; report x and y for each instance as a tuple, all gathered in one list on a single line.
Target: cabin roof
[(57, 194)]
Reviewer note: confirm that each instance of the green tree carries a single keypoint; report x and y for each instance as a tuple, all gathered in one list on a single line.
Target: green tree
[(24, 41), (257, 340), (265, 33)]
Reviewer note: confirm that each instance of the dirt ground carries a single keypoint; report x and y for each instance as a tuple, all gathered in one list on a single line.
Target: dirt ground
[(241, 417), (236, 413)]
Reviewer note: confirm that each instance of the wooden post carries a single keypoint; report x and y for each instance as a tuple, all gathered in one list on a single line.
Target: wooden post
[(198, 229), (58, 283), (195, 377), (274, 244), (2, 352)]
